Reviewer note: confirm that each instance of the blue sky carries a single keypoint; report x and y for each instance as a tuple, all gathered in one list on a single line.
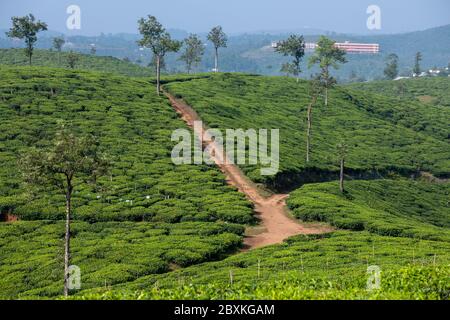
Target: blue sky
[(236, 16)]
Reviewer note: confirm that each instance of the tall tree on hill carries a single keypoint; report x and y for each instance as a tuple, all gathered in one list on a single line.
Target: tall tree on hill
[(26, 28), (315, 89), (418, 59), (155, 37), (391, 69), (70, 159), (58, 43), (327, 55), (72, 59), (294, 46), (93, 49), (219, 40), (193, 52)]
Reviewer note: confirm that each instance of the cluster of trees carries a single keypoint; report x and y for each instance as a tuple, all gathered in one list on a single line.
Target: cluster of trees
[(158, 40), (326, 56), (391, 71)]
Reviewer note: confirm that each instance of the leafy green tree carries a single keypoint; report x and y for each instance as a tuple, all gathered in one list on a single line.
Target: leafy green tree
[(219, 40), (193, 52), (69, 160), (72, 59), (418, 58), (294, 46), (26, 28), (327, 55), (58, 43), (93, 50), (391, 69), (155, 37)]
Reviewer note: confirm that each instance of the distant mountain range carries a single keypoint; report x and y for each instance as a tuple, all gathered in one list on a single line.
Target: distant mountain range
[(251, 53)]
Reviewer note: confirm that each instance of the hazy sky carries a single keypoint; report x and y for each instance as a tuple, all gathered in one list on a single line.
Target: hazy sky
[(236, 16)]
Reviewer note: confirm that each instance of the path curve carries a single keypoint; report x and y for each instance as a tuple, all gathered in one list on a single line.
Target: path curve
[(275, 224)]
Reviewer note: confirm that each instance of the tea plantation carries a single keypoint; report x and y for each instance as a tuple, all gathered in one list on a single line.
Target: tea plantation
[(332, 266), (386, 207), (152, 230), (434, 91), (176, 215), (47, 58), (383, 135)]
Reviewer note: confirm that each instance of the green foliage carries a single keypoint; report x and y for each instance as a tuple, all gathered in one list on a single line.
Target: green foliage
[(72, 59), (294, 46), (434, 91), (193, 52), (132, 125), (391, 69), (382, 134), (218, 37), (332, 266), (26, 28), (386, 207), (48, 58), (107, 253), (409, 283)]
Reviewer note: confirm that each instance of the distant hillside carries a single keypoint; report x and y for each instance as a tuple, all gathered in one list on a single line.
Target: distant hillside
[(251, 53), (434, 91), (88, 62)]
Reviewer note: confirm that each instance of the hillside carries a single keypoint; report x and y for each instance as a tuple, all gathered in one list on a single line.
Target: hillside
[(332, 266), (384, 136), (136, 221), (430, 91), (386, 207), (154, 230), (47, 58)]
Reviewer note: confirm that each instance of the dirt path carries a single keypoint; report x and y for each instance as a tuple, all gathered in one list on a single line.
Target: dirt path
[(275, 224)]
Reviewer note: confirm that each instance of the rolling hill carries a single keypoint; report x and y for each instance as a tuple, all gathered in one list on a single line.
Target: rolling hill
[(154, 230), (384, 136)]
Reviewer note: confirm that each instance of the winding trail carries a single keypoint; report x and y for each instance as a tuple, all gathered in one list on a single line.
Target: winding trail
[(275, 224)]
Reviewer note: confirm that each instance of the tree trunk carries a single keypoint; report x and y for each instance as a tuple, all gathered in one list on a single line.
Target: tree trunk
[(341, 176), (308, 133), (158, 74), (308, 130), (216, 62), (67, 240)]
